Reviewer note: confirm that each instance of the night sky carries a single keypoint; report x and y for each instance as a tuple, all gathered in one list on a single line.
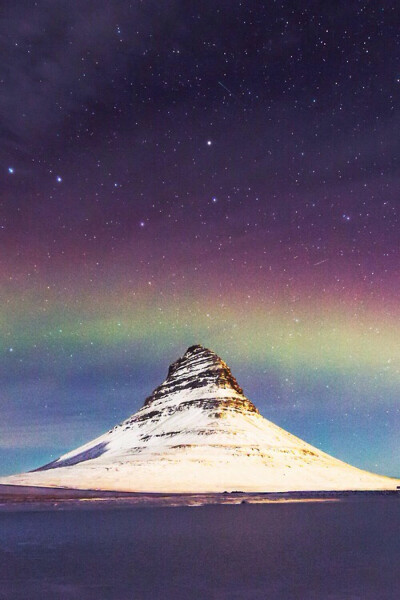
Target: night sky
[(224, 173)]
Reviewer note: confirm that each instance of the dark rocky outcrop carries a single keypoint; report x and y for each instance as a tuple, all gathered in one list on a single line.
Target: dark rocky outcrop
[(197, 368)]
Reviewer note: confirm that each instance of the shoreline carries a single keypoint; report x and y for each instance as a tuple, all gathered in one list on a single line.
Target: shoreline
[(14, 497)]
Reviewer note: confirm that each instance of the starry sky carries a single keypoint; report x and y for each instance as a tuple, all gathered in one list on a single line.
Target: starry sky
[(220, 172)]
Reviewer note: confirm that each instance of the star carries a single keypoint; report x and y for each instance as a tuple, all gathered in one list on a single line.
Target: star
[(59, 179), (141, 223), (209, 143)]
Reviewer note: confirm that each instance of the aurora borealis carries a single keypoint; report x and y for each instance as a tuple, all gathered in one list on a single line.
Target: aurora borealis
[(226, 174)]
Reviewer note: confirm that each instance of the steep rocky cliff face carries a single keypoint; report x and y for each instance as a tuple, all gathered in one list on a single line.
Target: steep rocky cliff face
[(197, 368), (198, 432), (199, 379)]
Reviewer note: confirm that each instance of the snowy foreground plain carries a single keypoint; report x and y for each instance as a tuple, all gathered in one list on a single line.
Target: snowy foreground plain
[(198, 433)]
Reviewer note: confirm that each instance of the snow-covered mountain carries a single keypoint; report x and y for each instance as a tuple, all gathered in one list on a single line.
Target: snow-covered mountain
[(197, 432)]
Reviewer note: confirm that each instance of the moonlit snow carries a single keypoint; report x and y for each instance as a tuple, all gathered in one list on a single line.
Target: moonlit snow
[(197, 432)]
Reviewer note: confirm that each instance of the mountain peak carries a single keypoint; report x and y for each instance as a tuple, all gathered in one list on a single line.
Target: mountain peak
[(195, 348), (202, 370), (196, 356)]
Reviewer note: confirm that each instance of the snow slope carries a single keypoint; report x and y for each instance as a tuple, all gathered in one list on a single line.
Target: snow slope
[(197, 432)]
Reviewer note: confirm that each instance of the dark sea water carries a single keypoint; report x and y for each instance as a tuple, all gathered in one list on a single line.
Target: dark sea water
[(301, 551)]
